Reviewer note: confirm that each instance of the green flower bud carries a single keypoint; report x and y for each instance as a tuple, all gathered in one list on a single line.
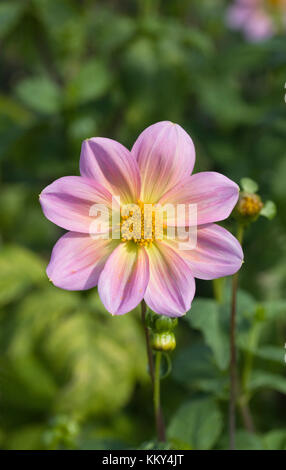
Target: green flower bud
[(163, 341), (164, 323), (150, 319), (248, 207)]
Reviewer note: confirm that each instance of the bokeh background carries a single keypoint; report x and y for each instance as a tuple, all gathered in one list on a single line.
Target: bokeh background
[(71, 376)]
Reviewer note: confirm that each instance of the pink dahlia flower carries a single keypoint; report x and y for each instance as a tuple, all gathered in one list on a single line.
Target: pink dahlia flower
[(156, 170), (258, 19)]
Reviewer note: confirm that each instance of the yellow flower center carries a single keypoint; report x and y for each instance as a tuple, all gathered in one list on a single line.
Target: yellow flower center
[(141, 223), (276, 3), (249, 205)]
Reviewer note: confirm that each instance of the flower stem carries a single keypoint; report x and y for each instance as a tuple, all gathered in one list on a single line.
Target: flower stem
[(218, 287), (233, 371), (246, 416), (155, 379), (147, 339), (156, 398)]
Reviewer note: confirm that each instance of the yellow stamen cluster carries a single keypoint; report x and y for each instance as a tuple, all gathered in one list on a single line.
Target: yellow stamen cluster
[(276, 7), (277, 3), (249, 205), (139, 224)]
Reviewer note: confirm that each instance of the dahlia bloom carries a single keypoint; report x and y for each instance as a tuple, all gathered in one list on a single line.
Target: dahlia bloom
[(258, 19), (157, 170)]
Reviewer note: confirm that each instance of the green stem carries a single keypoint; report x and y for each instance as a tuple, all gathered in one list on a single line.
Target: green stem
[(218, 287), (246, 415), (253, 340), (240, 233), (246, 373), (156, 399), (155, 379), (157, 383), (147, 339), (169, 366), (233, 371)]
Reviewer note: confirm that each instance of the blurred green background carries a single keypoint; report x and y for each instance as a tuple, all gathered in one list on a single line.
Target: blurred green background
[(71, 376)]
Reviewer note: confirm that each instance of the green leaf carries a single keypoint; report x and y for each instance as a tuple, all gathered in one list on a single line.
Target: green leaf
[(213, 320), (36, 313), (98, 359), (275, 439), (248, 185), (114, 30), (40, 94), (205, 316), (194, 368), (198, 39), (155, 445), (9, 14), (278, 180), (246, 304), (269, 210), (196, 425), (85, 351), (28, 384), (16, 112), (88, 350), (244, 441), (141, 55), (261, 379), (54, 13), (83, 127), (270, 353), (274, 309), (248, 441), (103, 444), (221, 99), (19, 268), (25, 438), (91, 82)]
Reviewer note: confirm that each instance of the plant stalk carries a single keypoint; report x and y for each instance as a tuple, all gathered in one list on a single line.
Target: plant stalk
[(155, 378), (156, 398), (233, 371), (147, 339)]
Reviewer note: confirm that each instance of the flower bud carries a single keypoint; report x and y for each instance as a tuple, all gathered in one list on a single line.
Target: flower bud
[(150, 320), (248, 207), (163, 341), (164, 323)]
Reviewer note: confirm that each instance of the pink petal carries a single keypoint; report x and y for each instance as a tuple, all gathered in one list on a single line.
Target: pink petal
[(214, 195), (123, 281), (218, 253), (249, 16), (77, 261), (67, 202), (238, 14), (259, 27), (171, 287), (112, 165), (165, 153)]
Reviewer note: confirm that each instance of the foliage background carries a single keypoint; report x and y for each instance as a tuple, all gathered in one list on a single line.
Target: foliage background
[(72, 376)]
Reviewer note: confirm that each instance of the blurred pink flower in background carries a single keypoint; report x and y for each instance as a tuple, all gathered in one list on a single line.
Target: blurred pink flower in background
[(257, 19), (156, 170)]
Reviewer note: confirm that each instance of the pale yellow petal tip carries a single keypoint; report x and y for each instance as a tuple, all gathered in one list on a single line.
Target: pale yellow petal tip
[(50, 280)]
